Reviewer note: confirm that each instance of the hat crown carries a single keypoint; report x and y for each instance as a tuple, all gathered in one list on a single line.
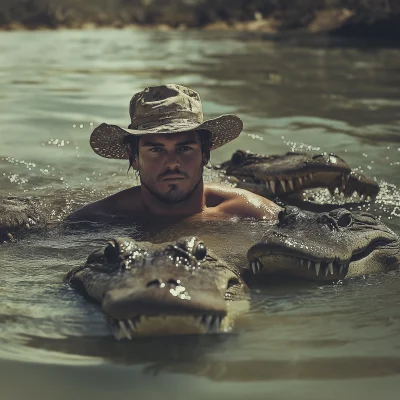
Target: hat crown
[(164, 104)]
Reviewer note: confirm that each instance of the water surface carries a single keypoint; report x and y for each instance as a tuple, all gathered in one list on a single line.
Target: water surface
[(299, 340)]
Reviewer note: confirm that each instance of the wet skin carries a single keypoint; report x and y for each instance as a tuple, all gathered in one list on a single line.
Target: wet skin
[(171, 168)]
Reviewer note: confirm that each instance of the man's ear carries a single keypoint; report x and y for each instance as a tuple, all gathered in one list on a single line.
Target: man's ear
[(135, 164), (132, 158), (206, 159)]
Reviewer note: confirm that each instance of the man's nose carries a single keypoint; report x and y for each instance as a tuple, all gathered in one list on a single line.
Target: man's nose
[(172, 161)]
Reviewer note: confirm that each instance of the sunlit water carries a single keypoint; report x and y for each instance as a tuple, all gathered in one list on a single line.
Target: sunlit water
[(298, 341)]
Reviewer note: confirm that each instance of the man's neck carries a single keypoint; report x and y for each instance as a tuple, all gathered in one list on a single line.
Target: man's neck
[(194, 204)]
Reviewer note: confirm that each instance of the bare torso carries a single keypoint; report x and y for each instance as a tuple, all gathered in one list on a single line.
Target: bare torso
[(220, 202)]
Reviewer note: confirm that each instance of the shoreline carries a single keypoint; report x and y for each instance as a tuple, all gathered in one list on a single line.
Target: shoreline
[(333, 22)]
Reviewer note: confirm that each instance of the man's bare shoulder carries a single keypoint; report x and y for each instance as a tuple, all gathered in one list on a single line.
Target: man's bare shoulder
[(121, 204), (240, 202)]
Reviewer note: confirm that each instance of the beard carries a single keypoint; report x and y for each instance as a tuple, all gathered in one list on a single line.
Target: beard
[(174, 194)]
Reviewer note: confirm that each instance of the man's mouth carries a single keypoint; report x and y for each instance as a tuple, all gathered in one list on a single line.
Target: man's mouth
[(173, 178)]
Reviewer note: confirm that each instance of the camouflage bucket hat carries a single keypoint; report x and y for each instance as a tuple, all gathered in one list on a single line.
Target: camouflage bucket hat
[(159, 110)]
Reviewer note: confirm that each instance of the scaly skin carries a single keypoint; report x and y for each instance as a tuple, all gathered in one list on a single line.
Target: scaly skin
[(291, 173), (325, 246), (18, 214), (157, 289)]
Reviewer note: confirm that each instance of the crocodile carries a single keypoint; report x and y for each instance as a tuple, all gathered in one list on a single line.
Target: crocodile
[(327, 246), (292, 173), (18, 214), (172, 288)]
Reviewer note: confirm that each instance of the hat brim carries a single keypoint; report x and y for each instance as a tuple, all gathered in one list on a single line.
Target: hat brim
[(108, 140)]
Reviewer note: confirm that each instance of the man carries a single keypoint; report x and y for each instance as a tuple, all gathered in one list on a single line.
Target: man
[(169, 144)]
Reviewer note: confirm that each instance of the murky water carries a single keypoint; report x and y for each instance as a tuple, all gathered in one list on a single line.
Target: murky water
[(298, 341)]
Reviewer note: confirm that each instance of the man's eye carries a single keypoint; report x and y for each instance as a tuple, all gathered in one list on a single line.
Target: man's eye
[(184, 148), (156, 149)]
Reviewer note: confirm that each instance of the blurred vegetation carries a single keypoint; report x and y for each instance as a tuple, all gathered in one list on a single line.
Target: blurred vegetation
[(341, 16)]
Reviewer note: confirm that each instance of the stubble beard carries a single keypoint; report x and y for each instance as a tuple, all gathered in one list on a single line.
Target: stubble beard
[(174, 195)]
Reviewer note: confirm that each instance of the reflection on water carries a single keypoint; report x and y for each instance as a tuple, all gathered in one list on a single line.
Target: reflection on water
[(189, 356), (333, 97)]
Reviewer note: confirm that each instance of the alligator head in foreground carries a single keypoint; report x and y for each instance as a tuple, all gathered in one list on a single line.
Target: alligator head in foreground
[(325, 246), (161, 289), (290, 173)]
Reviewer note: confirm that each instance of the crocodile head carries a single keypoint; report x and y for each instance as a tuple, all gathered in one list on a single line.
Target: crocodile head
[(291, 173), (18, 214), (325, 246), (162, 289)]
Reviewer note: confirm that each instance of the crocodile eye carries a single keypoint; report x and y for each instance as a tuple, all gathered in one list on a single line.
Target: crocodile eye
[(111, 252), (232, 282), (238, 157), (200, 251), (345, 220)]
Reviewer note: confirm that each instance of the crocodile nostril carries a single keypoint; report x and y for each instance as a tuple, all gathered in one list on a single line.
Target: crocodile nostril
[(172, 282), (154, 283)]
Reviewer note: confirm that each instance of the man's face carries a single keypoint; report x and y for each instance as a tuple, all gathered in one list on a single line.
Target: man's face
[(170, 165)]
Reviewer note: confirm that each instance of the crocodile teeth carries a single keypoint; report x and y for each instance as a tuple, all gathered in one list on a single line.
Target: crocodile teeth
[(290, 182), (256, 265), (253, 266), (301, 261), (215, 324), (300, 180), (311, 176), (259, 265), (330, 267), (272, 183), (308, 264), (207, 321), (343, 182), (116, 332), (125, 330), (212, 323), (267, 185), (131, 325), (341, 269), (317, 267), (283, 184)]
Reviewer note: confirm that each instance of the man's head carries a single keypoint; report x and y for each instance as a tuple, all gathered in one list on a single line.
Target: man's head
[(168, 110), (170, 166)]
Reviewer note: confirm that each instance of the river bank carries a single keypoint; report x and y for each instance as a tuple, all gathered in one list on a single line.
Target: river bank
[(379, 19)]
